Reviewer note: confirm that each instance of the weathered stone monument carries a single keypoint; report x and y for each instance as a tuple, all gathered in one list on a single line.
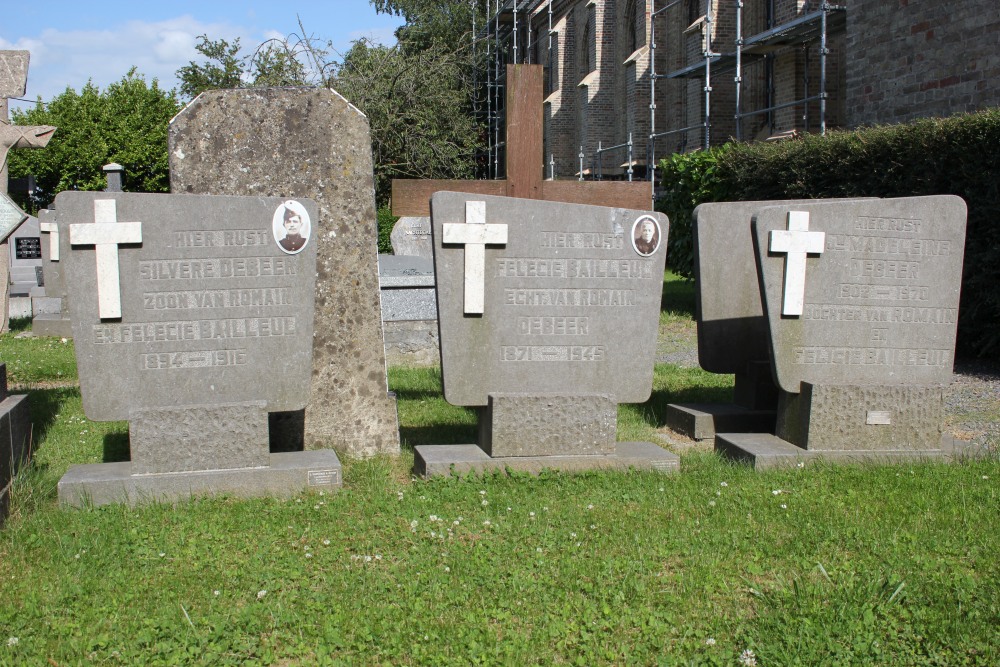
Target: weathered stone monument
[(193, 320), (548, 315), (861, 300), (15, 439), (13, 82), (308, 142)]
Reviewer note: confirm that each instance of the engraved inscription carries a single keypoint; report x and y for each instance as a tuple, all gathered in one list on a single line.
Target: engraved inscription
[(228, 298), (323, 477), (586, 240), (552, 353), (553, 326), (871, 356), (223, 267), (184, 330), (214, 238), (193, 359), (529, 267), (569, 297)]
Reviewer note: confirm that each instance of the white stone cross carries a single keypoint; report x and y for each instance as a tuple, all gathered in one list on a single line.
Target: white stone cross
[(53, 231), (796, 242), (106, 234), (475, 234)]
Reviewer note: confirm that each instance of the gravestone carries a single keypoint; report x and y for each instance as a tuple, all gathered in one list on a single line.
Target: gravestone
[(13, 83), (15, 439), (308, 142), (51, 312), (411, 236), (861, 299), (548, 317), (194, 322), (732, 330), (25, 246), (409, 310)]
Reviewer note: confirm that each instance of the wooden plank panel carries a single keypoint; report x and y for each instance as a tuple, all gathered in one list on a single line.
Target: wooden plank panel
[(525, 163), (622, 194), (413, 197)]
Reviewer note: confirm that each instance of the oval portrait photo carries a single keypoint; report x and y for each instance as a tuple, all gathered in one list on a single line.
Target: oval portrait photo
[(646, 235), (291, 227)]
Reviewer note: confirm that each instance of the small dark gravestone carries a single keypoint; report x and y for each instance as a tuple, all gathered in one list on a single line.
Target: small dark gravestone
[(861, 299), (52, 318), (308, 142), (732, 329), (193, 319), (15, 439), (549, 315)]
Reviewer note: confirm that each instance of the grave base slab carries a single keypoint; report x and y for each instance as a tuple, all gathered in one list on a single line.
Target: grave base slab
[(763, 451), (442, 460), (288, 473), (702, 421), (52, 325)]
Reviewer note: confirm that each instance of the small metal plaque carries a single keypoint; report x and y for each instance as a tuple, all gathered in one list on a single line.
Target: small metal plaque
[(324, 477), (878, 418)]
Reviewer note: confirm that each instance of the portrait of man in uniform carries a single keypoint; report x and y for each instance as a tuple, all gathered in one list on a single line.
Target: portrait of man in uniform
[(646, 235), (291, 227)]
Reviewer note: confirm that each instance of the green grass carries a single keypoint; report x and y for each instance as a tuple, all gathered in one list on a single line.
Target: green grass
[(824, 565)]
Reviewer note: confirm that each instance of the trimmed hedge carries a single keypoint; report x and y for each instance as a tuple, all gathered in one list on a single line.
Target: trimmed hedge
[(959, 155), (386, 220)]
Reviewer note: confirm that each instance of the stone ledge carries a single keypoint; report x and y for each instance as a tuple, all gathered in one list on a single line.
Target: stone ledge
[(763, 451), (701, 421), (288, 474), (443, 460)]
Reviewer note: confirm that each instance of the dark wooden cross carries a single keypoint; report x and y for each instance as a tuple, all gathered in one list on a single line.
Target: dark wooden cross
[(525, 163)]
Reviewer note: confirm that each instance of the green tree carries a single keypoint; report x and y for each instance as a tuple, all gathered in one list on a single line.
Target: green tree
[(273, 63), (418, 108), (126, 123)]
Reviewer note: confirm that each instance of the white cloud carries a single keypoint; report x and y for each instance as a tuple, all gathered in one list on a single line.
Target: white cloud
[(61, 58)]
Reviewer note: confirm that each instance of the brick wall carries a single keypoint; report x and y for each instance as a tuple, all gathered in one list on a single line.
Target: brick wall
[(917, 58)]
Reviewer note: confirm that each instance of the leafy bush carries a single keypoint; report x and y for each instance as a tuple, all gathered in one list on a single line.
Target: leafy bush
[(689, 179), (959, 155), (386, 220)]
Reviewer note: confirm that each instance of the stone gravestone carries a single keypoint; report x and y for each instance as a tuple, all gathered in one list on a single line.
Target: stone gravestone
[(51, 311), (861, 299), (308, 142), (193, 321), (15, 439), (25, 246), (13, 83), (549, 315), (409, 310), (411, 236), (732, 329)]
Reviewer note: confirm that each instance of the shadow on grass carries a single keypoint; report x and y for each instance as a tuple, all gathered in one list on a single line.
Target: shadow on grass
[(19, 324), (678, 296), (45, 405), (439, 434), (662, 397), (116, 447)]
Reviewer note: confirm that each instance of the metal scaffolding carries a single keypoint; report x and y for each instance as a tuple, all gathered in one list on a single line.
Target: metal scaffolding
[(508, 38)]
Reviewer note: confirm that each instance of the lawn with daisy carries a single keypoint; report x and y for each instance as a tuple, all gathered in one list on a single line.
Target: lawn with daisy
[(717, 565)]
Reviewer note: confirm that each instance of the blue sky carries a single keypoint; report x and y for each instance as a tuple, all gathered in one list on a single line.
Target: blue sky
[(76, 40)]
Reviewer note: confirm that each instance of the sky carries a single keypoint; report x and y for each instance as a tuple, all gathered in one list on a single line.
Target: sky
[(73, 41)]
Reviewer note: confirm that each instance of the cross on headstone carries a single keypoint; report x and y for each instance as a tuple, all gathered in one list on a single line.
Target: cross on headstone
[(106, 234), (53, 231), (475, 234), (797, 241), (525, 163)]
